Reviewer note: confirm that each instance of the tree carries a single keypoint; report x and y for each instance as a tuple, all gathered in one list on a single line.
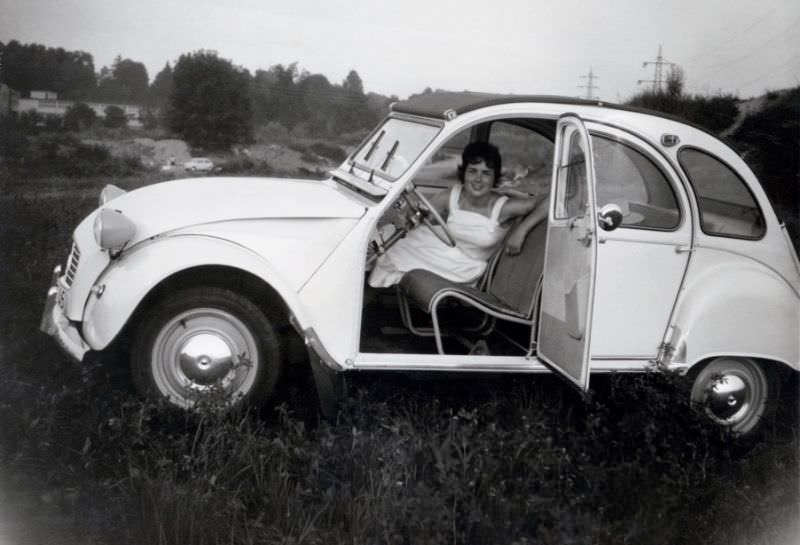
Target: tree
[(318, 102), (126, 81), (210, 104), (34, 67), (115, 117), (675, 80), (79, 117), (352, 110), (276, 96), (161, 87)]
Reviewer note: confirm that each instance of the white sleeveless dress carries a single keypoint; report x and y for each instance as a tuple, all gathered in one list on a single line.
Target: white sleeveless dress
[(476, 236)]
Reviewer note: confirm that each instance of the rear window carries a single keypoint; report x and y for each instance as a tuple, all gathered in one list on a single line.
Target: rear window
[(727, 207)]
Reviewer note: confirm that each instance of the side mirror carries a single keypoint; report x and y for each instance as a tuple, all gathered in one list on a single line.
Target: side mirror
[(609, 217)]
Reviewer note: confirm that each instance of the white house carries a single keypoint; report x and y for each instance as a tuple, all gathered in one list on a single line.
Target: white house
[(46, 103)]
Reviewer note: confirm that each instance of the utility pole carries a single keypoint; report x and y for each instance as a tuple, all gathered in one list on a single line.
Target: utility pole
[(590, 86), (658, 75)]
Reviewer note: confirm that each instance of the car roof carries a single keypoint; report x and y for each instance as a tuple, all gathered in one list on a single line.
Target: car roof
[(437, 104), (443, 104)]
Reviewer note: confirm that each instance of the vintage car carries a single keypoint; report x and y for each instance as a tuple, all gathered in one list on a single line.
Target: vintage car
[(661, 251), (198, 164)]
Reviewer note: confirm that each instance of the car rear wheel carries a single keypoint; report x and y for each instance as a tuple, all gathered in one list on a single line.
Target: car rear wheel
[(735, 393), (206, 343)]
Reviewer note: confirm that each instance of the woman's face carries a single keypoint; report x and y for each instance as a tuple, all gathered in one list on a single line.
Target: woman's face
[(478, 179)]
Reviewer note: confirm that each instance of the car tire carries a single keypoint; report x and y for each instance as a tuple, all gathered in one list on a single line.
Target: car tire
[(736, 393), (206, 343)]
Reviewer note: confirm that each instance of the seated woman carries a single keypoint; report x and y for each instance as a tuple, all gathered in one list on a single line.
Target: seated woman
[(478, 216)]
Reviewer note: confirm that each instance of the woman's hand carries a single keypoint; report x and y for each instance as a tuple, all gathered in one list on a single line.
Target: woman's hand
[(515, 241)]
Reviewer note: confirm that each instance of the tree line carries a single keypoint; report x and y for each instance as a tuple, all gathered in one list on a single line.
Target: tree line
[(205, 99)]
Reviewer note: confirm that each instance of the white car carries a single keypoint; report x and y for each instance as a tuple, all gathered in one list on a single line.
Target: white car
[(198, 164), (661, 251)]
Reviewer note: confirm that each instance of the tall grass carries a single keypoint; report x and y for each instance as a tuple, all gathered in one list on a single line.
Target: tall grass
[(515, 460)]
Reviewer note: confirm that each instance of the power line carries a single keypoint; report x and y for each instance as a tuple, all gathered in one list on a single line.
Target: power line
[(775, 70), (736, 36), (770, 43), (590, 87)]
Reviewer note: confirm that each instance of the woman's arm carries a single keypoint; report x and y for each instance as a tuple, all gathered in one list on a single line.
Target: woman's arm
[(516, 238), (515, 207)]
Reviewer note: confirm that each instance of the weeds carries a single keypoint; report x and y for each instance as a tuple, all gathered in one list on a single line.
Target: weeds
[(425, 466)]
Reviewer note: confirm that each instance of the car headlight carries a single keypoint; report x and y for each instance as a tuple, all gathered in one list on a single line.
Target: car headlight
[(112, 230)]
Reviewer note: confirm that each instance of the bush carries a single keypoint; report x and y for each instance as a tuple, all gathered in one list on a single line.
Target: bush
[(329, 151), (79, 117), (115, 117), (714, 113), (61, 155)]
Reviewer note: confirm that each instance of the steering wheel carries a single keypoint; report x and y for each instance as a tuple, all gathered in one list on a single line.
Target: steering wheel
[(425, 215)]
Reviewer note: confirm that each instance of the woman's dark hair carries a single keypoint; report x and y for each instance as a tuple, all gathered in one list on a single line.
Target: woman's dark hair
[(476, 152)]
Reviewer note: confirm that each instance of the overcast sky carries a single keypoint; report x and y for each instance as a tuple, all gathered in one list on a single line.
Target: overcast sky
[(400, 47)]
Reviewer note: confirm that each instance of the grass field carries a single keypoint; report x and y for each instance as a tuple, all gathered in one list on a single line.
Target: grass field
[(514, 460)]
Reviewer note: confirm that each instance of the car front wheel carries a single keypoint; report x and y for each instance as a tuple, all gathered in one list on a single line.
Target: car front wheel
[(735, 393), (205, 342)]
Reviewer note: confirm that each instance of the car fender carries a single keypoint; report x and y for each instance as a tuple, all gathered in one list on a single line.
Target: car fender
[(732, 305), (128, 280)]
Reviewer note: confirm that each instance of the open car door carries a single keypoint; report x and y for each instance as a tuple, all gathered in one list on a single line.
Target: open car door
[(571, 256)]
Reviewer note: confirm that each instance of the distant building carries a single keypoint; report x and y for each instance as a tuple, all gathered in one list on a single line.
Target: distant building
[(46, 103)]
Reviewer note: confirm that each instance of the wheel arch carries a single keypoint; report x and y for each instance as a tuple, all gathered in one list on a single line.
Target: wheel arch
[(130, 288), (737, 309), (779, 369), (260, 292)]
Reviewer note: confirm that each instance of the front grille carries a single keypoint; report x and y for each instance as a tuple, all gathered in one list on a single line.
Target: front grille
[(72, 264)]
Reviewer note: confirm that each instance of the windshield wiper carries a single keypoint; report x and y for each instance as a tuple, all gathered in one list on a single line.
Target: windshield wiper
[(373, 146), (390, 155)]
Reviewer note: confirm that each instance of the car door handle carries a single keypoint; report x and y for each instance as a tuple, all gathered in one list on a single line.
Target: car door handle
[(586, 239), (683, 249)]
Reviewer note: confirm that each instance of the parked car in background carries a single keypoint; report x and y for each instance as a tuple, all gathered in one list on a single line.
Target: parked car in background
[(661, 252), (198, 164)]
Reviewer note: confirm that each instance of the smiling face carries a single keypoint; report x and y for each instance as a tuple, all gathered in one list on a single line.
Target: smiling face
[(479, 179)]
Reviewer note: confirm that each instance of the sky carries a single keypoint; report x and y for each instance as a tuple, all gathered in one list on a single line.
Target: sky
[(400, 47)]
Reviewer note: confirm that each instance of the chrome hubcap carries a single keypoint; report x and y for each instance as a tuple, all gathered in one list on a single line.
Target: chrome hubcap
[(732, 392), (205, 358), (729, 397), (204, 350)]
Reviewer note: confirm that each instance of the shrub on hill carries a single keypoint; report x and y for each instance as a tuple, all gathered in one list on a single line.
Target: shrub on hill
[(715, 113), (769, 139), (59, 154)]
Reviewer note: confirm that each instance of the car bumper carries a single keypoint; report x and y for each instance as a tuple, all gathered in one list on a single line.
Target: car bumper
[(56, 324)]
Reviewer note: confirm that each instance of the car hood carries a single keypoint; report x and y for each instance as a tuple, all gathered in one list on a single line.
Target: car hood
[(179, 204)]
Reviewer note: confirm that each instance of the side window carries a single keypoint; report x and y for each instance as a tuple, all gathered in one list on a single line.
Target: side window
[(627, 177), (571, 182), (527, 157), (727, 208)]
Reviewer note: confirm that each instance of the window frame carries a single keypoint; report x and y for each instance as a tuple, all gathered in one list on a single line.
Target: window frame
[(671, 182)]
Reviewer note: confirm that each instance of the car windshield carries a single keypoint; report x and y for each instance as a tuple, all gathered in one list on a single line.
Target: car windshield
[(392, 148)]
